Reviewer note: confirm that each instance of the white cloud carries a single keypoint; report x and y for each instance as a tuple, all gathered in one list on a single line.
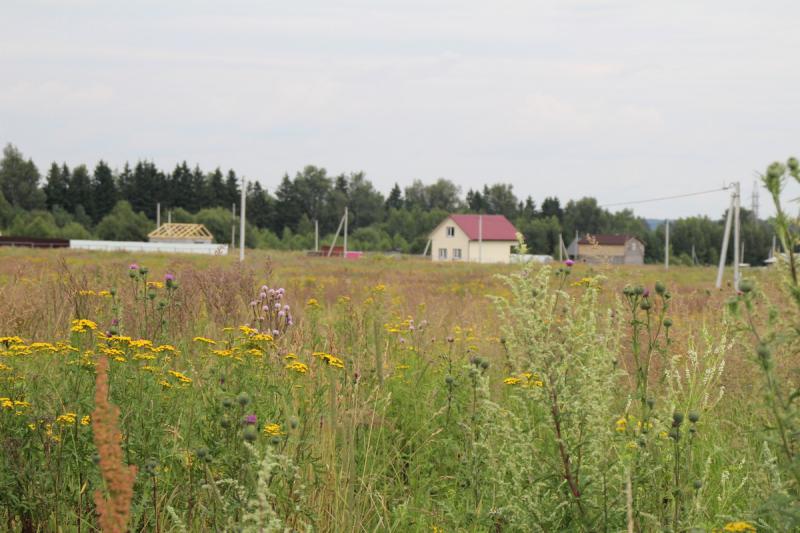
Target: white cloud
[(615, 99)]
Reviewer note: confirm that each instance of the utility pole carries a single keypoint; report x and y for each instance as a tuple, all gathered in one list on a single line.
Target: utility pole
[(755, 201), (158, 214), (480, 238), (241, 222), (737, 230), (666, 246), (344, 254), (732, 220), (233, 226), (316, 235)]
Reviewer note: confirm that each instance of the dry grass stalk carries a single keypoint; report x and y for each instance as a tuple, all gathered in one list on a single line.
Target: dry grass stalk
[(113, 511)]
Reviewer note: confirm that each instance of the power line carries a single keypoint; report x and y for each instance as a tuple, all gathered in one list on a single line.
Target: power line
[(665, 198)]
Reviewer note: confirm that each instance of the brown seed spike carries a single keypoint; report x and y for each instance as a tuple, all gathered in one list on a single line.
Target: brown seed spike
[(114, 511)]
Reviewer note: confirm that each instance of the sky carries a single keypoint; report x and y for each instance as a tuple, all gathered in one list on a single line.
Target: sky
[(619, 100)]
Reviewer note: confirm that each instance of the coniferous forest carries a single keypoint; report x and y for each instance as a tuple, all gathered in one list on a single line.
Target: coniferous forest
[(108, 203)]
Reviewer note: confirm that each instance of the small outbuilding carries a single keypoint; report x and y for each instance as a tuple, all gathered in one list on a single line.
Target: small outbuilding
[(475, 238), (178, 232), (613, 249)]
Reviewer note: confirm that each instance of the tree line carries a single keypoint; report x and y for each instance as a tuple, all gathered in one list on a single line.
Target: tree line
[(100, 202)]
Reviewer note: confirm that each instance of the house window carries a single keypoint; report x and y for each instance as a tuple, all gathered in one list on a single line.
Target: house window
[(451, 231), (456, 253), (442, 253)]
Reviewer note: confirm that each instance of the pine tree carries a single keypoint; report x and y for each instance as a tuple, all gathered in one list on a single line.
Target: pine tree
[(198, 195), (56, 187), (182, 192), (395, 199), (104, 192), (260, 207), (79, 192), (216, 188), (232, 191), (144, 188), (289, 207)]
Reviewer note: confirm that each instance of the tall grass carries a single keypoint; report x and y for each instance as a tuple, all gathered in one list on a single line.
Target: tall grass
[(397, 398)]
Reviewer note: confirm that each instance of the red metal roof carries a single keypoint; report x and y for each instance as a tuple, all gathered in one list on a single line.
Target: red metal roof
[(607, 240), (495, 227)]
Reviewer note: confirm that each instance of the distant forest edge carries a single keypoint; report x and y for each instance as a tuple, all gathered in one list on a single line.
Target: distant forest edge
[(80, 203)]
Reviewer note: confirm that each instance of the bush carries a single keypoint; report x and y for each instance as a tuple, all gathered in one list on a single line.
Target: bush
[(122, 224)]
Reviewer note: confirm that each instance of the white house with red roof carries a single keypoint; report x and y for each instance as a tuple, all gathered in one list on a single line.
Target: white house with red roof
[(475, 238)]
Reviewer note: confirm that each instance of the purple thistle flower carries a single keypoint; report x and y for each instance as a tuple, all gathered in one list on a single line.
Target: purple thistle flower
[(275, 332), (253, 303), (134, 266), (569, 262), (265, 308), (262, 296), (281, 314), (646, 293), (169, 277), (251, 420)]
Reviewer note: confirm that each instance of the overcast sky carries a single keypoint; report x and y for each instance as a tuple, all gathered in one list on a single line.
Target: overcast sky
[(620, 100)]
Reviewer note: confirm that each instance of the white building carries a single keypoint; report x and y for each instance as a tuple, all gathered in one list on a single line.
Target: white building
[(476, 238)]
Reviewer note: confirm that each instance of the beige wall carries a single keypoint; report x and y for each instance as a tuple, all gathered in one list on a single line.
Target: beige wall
[(439, 240), (491, 252), (622, 254), (587, 250)]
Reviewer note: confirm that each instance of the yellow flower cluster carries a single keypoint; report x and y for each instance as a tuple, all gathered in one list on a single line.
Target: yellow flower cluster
[(102, 294), (247, 330), (739, 527), (8, 403), (312, 303), (67, 419), (273, 430), (526, 379), (179, 376), (330, 360), (82, 325), (587, 282), (204, 340), (297, 366), (11, 340), (399, 326)]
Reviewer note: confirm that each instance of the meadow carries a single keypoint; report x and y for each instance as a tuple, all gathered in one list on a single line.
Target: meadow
[(293, 393)]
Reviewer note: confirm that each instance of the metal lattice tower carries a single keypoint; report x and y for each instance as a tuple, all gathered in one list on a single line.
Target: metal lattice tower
[(755, 200)]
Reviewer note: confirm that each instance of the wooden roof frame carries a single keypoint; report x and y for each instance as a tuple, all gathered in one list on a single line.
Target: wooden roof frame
[(181, 231)]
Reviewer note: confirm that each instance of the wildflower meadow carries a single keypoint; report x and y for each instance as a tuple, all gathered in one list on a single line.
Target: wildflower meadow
[(290, 393)]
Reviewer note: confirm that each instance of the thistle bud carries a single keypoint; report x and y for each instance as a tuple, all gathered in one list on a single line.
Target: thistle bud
[(243, 399), (250, 433), (746, 285), (677, 418), (667, 323), (694, 416), (660, 288)]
